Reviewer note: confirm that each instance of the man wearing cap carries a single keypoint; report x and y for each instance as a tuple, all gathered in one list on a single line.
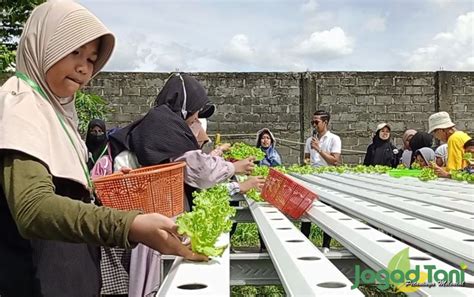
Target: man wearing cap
[(443, 129)]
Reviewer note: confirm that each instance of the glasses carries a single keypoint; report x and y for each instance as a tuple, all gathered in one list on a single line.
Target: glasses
[(315, 122)]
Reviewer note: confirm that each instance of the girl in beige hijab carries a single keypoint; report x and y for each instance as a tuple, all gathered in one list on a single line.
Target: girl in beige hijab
[(51, 231)]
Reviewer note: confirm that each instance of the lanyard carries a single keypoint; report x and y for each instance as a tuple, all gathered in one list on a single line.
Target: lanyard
[(60, 117), (101, 154)]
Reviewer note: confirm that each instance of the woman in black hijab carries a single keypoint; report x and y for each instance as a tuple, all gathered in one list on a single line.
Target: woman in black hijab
[(382, 151), (165, 134), (96, 141)]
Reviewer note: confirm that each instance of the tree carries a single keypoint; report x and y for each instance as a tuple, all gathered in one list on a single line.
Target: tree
[(14, 14)]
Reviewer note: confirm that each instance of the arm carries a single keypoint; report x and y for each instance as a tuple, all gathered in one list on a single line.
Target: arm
[(204, 171), (331, 157), (456, 151), (368, 156), (40, 213), (307, 148)]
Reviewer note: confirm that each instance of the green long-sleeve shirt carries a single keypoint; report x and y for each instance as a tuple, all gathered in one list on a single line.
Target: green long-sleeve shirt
[(42, 214)]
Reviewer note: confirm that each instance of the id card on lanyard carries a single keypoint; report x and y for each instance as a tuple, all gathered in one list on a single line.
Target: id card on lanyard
[(60, 117)]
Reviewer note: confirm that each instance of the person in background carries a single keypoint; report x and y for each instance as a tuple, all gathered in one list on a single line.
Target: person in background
[(323, 148), (96, 141), (444, 130), (169, 132), (382, 151), (469, 148), (420, 140), (441, 155), (266, 142), (51, 232), (424, 157), (407, 152)]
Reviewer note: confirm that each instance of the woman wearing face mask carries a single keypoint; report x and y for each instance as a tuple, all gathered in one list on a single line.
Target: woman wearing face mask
[(382, 151), (169, 132), (96, 141)]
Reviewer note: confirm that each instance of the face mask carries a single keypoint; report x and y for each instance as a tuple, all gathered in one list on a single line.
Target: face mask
[(97, 138), (199, 133)]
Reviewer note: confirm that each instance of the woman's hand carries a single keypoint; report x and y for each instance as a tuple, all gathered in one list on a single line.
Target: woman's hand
[(224, 147), (244, 166), (160, 233), (439, 171), (253, 182)]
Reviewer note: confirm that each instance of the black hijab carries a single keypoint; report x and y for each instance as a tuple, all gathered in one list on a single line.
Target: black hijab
[(163, 133), (418, 141), (96, 143), (382, 148)]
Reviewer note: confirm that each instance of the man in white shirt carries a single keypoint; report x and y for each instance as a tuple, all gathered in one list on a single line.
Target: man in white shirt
[(323, 148)]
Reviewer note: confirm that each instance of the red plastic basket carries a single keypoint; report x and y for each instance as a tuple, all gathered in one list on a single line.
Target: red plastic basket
[(286, 194), (158, 188)]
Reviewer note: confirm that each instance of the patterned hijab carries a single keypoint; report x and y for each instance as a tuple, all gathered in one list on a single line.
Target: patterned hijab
[(28, 122)]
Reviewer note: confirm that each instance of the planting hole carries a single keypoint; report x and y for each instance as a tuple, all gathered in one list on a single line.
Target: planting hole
[(309, 258), (435, 228), (362, 228), (284, 228), (192, 286), (294, 240), (332, 285), (420, 258), (409, 219), (385, 240)]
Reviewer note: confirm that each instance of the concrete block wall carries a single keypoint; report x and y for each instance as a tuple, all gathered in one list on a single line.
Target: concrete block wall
[(285, 102)]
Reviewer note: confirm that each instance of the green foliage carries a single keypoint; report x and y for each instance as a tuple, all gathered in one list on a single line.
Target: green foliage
[(246, 235), (14, 15), (7, 59), (468, 157), (89, 106), (460, 175), (254, 195), (261, 171), (244, 291), (240, 151), (426, 174), (208, 220)]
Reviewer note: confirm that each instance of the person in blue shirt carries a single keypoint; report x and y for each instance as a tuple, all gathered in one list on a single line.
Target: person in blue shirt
[(266, 142)]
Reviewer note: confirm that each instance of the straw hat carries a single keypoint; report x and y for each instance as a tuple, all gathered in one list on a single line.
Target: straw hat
[(439, 120)]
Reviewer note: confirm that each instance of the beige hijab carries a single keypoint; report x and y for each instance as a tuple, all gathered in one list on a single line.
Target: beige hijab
[(28, 123)]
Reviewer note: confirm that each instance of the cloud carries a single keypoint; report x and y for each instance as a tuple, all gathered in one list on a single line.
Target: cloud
[(326, 44), (451, 50), (375, 24), (239, 49), (309, 6)]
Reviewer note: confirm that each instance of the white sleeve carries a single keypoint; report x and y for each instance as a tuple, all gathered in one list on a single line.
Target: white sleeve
[(307, 147), (126, 159), (336, 145)]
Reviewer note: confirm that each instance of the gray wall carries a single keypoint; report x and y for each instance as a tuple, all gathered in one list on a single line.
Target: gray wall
[(284, 102)]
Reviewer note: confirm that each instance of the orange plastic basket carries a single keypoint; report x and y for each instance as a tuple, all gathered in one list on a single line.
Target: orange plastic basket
[(286, 194), (158, 188)]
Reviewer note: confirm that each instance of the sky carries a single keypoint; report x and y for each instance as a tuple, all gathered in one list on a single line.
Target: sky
[(289, 35)]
